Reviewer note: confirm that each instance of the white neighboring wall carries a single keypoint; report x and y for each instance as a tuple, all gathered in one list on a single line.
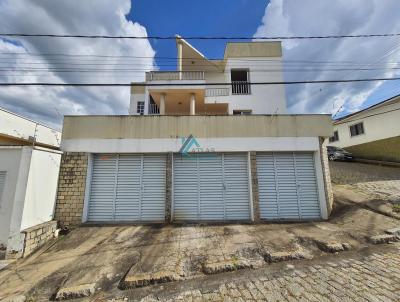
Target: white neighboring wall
[(10, 158), (41, 188), (19, 127), (30, 191), (379, 123)]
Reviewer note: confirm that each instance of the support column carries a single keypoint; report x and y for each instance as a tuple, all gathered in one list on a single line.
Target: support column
[(180, 60), (192, 104), (168, 192), (254, 186), (162, 104)]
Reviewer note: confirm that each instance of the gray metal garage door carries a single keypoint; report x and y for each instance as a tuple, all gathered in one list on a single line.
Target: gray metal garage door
[(211, 187), (287, 186), (127, 188)]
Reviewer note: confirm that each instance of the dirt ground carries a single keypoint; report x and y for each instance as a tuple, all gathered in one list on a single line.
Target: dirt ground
[(106, 256)]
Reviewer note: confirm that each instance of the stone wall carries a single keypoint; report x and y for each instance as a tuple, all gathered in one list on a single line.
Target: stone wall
[(254, 186), (38, 235), (326, 174), (71, 189), (168, 189)]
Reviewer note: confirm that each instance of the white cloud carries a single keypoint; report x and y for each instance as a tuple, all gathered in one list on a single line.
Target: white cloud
[(103, 17), (339, 17)]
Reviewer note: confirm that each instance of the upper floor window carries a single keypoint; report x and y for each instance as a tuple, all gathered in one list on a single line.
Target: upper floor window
[(357, 129), (335, 137), (140, 108), (240, 81), (241, 112)]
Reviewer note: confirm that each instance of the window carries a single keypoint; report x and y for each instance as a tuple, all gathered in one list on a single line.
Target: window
[(140, 108), (356, 129), (335, 137), (240, 81), (241, 112), (2, 184)]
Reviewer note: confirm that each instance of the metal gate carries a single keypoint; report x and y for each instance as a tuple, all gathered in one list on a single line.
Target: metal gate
[(287, 186), (127, 188), (211, 187)]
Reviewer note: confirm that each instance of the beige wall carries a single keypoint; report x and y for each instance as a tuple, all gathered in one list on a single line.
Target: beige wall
[(381, 122), (387, 149), (118, 127)]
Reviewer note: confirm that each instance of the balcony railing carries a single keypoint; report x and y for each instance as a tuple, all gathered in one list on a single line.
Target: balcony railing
[(241, 87), (153, 109), (174, 75), (210, 92)]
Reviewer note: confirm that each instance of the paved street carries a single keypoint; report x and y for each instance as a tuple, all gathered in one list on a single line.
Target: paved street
[(373, 186), (344, 173), (375, 277)]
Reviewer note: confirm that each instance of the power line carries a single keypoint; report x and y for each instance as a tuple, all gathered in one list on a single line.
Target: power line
[(107, 70), (194, 84), (165, 58), (200, 37)]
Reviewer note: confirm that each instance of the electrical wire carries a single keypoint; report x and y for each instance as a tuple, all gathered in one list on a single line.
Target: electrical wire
[(200, 37), (193, 84)]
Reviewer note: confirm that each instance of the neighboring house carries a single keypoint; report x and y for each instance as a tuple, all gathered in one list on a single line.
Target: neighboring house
[(29, 165), (372, 133), (199, 152)]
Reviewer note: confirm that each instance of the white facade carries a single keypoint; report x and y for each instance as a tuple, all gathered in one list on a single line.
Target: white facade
[(29, 166), (201, 96), (379, 122), (29, 192), (16, 127), (191, 113)]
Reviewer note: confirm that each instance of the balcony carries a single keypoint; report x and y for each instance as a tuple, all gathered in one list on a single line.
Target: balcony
[(154, 109), (174, 75), (213, 92), (241, 87)]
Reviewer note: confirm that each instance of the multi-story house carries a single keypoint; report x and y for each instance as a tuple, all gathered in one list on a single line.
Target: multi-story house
[(242, 64), (372, 133), (210, 141)]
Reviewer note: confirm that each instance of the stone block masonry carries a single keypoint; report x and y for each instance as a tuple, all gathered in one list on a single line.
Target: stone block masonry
[(326, 174), (254, 186), (38, 235), (71, 189), (168, 189), (33, 238)]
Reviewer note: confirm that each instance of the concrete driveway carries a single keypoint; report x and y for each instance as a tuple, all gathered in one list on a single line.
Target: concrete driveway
[(98, 261)]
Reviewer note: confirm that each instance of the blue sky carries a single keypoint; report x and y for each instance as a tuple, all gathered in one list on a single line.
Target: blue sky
[(197, 18), (215, 18)]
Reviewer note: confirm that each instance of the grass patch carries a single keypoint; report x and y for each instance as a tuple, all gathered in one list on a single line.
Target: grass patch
[(396, 207)]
